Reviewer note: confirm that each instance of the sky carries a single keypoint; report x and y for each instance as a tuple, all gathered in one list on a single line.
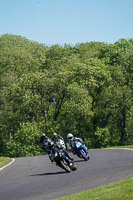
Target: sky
[(71, 22)]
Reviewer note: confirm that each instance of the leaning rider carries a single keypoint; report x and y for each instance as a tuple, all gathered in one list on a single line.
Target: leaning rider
[(71, 139), (57, 137), (62, 147), (46, 144)]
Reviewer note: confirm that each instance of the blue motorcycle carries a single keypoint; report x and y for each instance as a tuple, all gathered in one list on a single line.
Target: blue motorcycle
[(80, 150)]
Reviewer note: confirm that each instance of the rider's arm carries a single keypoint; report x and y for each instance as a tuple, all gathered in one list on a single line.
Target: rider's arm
[(41, 144), (79, 140), (68, 146), (60, 137)]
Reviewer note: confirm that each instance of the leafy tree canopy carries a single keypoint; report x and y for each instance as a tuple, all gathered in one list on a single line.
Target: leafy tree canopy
[(86, 89)]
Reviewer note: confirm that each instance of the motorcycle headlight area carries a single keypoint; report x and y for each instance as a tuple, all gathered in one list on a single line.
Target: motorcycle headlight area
[(78, 145), (56, 154)]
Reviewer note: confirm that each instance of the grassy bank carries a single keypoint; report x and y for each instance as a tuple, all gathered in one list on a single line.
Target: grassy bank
[(4, 161), (118, 191)]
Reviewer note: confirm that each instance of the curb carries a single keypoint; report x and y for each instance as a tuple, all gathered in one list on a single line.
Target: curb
[(7, 164), (127, 149), (122, 149)]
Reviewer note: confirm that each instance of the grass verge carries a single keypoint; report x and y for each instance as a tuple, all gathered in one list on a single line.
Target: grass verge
[(4, 161), (118, 191)]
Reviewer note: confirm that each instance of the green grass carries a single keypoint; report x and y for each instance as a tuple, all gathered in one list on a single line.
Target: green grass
[(4, 161), (118, 191)]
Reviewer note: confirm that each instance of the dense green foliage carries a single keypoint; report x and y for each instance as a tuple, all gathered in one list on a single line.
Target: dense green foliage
[(86, 89)]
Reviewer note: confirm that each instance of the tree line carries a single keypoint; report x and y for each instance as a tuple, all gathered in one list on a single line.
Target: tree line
[(85, 89)]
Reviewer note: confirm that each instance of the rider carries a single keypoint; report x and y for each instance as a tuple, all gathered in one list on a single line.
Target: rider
[(61, 144), (46, 144), (70, 141), (56, 137)]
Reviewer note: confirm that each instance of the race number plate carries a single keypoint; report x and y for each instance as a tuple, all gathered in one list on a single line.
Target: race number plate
[(78, 144)]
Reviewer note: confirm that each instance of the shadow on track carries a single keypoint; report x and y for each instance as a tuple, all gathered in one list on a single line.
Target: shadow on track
[(79, 160), (50, 173)]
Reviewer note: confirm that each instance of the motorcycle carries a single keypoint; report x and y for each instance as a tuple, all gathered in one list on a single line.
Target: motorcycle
[(59, 157), (80, 150)]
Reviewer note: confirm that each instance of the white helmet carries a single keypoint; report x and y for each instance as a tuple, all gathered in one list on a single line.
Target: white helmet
[(44, 135), (55, 134), (69, 136)]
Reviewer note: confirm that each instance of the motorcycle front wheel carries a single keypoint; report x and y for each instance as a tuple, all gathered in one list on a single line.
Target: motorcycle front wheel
[(65, 166), (86, 158), (74, 167)]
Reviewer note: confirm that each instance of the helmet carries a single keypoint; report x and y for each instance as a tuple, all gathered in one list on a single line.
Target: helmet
[(55, 135), (44, 135), (69, 136)]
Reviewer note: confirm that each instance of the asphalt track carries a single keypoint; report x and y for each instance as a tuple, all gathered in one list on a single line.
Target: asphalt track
[(36, 178)]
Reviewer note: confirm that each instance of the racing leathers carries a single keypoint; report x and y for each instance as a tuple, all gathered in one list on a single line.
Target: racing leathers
[(70, 143), (46, 144)]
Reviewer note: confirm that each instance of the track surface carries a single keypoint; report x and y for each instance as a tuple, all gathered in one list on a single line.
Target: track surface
[(36, 178)]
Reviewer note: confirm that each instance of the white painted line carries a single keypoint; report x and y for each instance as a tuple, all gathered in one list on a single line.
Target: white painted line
[(7, 164), (122, 149), (126, 149)]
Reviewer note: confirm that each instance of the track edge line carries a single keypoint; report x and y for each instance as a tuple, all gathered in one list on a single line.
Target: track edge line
[(7, 164)]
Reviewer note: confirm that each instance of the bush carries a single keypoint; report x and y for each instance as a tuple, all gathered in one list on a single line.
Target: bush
[(25, 141)]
